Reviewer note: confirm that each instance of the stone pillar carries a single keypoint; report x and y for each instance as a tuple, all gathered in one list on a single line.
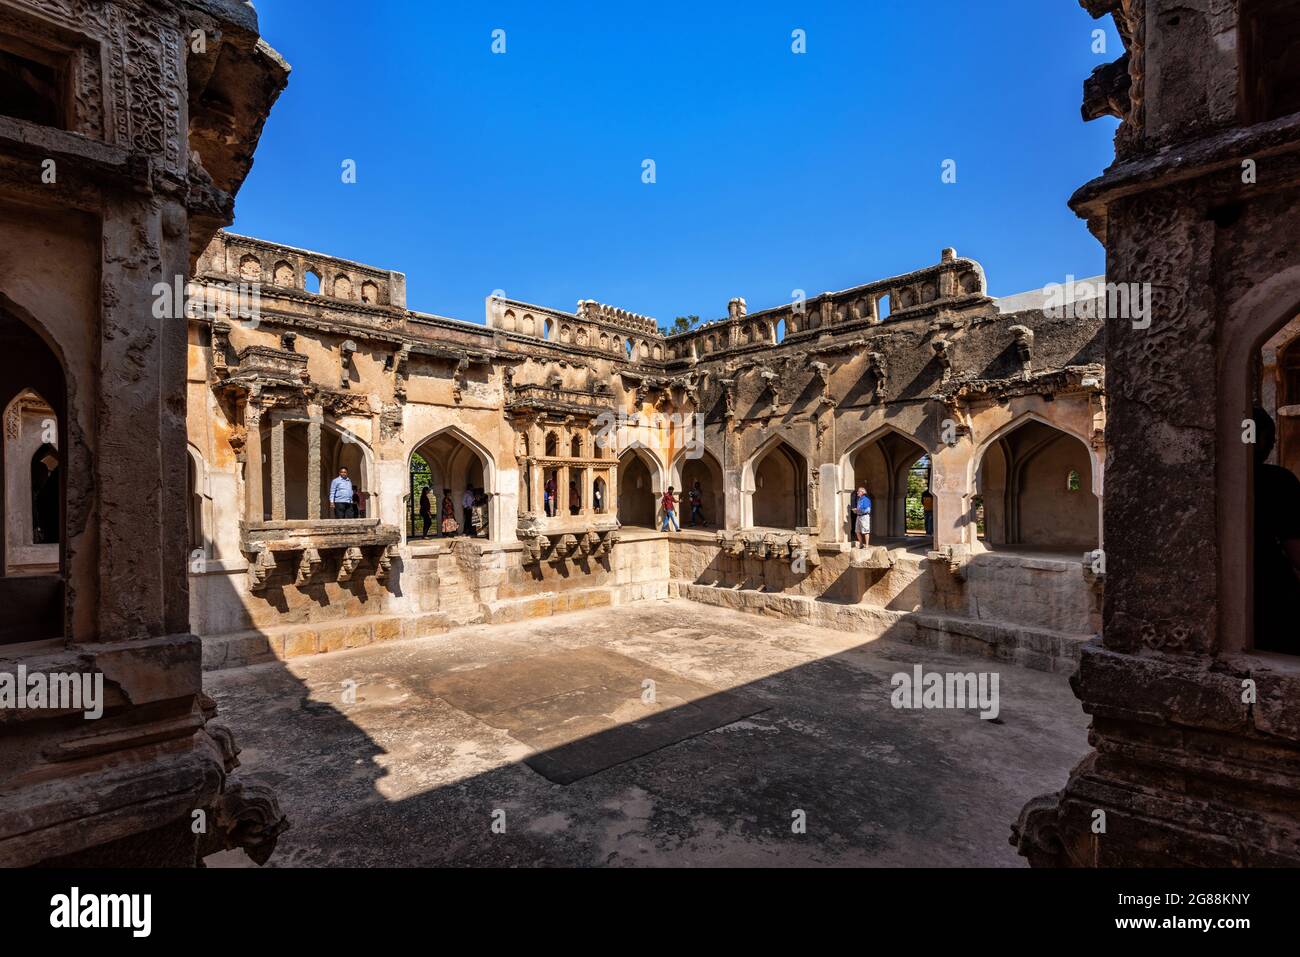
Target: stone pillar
[(313, 468), (953, 525), (277, 468), (253, 506), (830, 513), (1195, 733)]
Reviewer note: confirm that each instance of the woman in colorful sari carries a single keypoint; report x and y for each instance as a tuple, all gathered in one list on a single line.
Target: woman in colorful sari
[(449, 526)]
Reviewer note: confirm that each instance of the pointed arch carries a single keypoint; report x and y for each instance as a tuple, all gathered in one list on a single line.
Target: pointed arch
[(33, 575), (1018, 475), (774, 491), (1094, 461), (457, 461), (642, 481), (1262, 311), (199, 517), (881, 462), (685, 471)]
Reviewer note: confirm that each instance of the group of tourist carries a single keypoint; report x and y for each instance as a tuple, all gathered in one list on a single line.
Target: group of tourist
[(474, 513), (694, 497), (551, 500)]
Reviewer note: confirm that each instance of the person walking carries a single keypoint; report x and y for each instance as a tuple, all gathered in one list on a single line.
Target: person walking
[(862, 513), (341, 492), (426, 511), (448, 526), (696, 497), (669, 504)]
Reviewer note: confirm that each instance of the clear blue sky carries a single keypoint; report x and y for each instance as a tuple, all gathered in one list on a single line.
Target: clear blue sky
[(775, 171)]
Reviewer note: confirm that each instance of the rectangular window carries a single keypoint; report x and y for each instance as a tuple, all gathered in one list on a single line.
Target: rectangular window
[(1269, 44), (33, 83)]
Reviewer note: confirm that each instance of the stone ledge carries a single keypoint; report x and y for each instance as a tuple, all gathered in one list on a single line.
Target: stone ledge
[(1038, 649), (239, 648)]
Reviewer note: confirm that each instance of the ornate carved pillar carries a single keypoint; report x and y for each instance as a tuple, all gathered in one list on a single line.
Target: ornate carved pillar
[(254, 509), (313, 466), (277, 467)]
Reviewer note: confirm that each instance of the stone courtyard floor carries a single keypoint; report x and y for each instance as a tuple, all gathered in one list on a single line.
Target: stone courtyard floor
[(751, 720)]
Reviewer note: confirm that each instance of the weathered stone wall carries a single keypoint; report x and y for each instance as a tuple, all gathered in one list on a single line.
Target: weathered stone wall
[(1194, 727), (777, 431), (107, 194)]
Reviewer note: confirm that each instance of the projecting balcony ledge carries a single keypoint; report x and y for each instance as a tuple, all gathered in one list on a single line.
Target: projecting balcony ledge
[(293, 535), (351, 544)]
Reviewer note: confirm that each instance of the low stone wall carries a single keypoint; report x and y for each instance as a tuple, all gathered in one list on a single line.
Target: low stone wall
[(432, 586), (1033, 611)]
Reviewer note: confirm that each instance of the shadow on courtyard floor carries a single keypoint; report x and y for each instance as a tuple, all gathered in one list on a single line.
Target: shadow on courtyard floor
[(757, 725)]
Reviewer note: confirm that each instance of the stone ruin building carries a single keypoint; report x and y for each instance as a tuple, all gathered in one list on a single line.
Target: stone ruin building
[(210, 543), (1196, 733)]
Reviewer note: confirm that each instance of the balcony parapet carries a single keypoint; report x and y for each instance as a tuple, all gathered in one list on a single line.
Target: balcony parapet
[(349, 546)]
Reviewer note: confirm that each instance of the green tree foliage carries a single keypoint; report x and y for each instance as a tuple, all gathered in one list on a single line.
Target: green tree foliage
[(918, 480), (680, 324)]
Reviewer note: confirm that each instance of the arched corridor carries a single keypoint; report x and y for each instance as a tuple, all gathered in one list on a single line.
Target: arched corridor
[(779, 489), (895, 471), (1035, 483), (449, 465), (305, 497), (705, 470), (32, 485), (638, 495)]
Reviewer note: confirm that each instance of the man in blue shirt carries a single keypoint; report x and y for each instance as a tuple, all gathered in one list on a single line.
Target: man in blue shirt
[(341, 495), (862, 513)]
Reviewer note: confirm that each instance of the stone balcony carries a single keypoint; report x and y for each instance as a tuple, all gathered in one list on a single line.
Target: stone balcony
[(355, 544)]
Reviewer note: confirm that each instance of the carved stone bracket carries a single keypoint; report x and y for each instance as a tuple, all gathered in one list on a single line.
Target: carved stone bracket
[(384, 562), (259, 568), (955, 557), (351, 560), (769, 546), (559, 547), (1024, 341), (308, 566)]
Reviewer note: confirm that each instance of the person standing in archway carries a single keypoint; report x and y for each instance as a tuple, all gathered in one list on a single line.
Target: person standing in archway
[(448, 526), (862, 516), (341, 492), (467, 509), (1277, 546), (426, 511), (927, 506), (669, 504), (696, 497)]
